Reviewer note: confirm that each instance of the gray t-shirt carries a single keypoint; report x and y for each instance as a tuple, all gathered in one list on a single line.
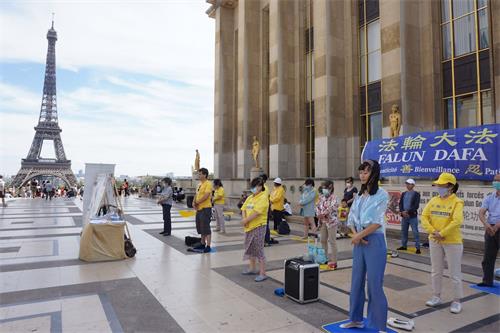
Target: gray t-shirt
[(166, 196)]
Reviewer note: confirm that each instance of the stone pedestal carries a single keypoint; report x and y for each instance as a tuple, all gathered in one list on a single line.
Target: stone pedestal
[(255, 172)]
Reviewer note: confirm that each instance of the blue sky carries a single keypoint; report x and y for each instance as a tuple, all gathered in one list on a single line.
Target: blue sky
[(134, 82)]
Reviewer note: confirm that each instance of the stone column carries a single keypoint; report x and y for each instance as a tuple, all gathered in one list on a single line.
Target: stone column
[(249, 63), (283, 125), (329, 95), (224, 149), (495, 44), (390, 33)]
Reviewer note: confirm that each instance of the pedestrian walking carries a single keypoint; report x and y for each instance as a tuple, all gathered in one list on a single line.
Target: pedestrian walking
[(2, 191), (442, 218)]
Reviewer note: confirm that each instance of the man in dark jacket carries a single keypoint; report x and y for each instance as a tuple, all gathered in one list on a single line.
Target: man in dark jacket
[(408, 207)]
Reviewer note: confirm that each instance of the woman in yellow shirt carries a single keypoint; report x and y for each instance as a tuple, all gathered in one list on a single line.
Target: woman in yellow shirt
[(254, 213), (442, 218), (219, 206)]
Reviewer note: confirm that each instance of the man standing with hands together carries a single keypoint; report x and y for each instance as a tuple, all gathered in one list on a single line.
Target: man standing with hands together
[(491, 204)]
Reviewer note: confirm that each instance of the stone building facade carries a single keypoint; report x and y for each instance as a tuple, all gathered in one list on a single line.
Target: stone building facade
[(313, 80)]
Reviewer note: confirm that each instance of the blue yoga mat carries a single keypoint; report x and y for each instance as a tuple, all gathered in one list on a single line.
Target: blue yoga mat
[(490, 290), (335, 327)]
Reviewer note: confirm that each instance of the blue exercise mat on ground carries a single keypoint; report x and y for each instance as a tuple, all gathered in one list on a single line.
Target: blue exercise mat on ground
[(335, 328), (490, 290)]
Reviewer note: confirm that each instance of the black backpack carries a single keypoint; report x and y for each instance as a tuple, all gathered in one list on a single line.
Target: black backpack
[(283, 228), (191, 241)]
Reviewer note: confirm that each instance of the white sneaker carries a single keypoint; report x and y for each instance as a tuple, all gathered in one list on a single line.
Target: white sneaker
[(352, 324), (433, 301), (406, 325), (456, 307)]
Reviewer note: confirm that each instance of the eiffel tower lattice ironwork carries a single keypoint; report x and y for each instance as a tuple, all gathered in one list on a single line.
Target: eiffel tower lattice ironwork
[(47, 129)]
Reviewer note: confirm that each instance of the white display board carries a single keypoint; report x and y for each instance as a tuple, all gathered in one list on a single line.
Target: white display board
[(473, 196), (92, 171)]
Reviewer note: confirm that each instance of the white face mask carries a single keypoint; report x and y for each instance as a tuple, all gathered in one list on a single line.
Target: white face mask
[(443, 191)]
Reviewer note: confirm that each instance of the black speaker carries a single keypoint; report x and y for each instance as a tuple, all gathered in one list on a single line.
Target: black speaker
[(301, 280)]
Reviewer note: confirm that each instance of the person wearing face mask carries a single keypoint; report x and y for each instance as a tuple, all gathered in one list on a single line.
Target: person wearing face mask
[(306, 203), (254, 213), (349, 191), (367, 222), (277, 199), (442, 218), (491, 204), (327, 210)]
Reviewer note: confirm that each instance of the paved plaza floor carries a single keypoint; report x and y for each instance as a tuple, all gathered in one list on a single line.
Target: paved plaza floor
[(44, 287)]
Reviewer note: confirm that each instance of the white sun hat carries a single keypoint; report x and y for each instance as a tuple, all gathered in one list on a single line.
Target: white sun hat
[(410, 181)]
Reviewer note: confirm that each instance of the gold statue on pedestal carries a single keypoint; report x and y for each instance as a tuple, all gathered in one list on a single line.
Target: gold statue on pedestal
[(395, 121), (255, 151), (197, 161)]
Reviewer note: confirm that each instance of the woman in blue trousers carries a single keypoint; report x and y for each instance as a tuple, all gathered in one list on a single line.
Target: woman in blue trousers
[(366, 220)]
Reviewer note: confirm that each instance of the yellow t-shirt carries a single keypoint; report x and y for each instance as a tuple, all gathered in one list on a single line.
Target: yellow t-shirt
[(219, 196), (204, 188), (446, 216), (256, 203), (343, 213), (277, 198)]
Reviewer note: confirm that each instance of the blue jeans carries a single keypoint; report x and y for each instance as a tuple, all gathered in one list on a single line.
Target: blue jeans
[(405, 224), (369, 265)]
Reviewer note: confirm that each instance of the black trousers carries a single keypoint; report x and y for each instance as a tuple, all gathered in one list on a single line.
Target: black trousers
[(167, 221), (277, 218), (491, 246)]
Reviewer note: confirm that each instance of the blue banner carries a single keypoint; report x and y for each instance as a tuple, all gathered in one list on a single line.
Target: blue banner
[(468, 153)]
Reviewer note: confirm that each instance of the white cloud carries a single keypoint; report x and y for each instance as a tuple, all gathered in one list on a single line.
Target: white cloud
[(138, 133), (149, 125), (164, 38)]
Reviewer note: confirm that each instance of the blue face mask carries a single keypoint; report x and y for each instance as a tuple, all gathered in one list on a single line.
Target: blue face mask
[(253, 190), (496, 185), (326, 192), (443, 191)]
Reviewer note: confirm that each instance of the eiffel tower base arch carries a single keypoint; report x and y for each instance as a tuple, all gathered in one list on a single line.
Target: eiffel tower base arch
[(30, 171)]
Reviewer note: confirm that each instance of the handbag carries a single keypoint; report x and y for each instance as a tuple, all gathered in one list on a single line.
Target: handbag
[(130, 249)]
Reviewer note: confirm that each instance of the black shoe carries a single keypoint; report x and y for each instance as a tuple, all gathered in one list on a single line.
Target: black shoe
[(206, 249), (199, 247), (161, 233), (482, 284), (165, 234), (401, 248), (418, 251)]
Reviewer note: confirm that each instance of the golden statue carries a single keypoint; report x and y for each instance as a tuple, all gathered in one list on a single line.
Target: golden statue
[(197, 161), (255, 151), (395, 121)]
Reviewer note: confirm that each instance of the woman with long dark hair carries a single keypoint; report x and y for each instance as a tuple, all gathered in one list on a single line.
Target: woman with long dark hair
[(366, 220)]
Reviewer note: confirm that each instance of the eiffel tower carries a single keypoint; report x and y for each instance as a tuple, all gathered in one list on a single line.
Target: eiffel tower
[(47, 129)]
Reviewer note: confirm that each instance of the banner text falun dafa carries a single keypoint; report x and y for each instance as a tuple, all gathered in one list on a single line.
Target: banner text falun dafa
[(469, 153)]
